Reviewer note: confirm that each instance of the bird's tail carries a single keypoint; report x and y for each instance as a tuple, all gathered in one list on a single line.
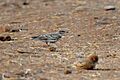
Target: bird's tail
[(34, 38)]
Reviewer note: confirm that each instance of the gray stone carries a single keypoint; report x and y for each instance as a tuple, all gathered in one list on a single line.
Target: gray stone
[(107, 8)]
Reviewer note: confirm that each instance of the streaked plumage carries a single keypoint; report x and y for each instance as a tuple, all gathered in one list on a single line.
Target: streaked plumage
[(51, 37)]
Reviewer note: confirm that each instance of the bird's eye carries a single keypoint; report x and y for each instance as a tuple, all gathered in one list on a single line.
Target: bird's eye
[(61, 32)]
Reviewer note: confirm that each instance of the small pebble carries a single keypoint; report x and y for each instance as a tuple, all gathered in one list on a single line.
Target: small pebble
[(8, 38), (7, 75), (111, 55), (78, 35), (24, 73), (18, 30), (25, 3), (5, 38), (96, 17), (67, 71), (2, 38), (15, 30), (107, 8), (52, 48), (1, 77), (43, 79), (4, 29)]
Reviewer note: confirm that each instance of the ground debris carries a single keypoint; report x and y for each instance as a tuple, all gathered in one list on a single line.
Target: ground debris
[(5, 38)]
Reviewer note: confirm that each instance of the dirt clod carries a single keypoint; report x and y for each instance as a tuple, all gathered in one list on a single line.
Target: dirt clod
[(67, 71)]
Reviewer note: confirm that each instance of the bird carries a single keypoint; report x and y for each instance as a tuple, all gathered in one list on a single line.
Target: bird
[(89, 62), (50, 37)]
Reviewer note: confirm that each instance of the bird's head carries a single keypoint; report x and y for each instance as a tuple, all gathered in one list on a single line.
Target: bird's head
[(63, 31)]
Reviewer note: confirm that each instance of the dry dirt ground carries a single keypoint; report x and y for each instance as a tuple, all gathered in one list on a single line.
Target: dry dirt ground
[(91, 29)]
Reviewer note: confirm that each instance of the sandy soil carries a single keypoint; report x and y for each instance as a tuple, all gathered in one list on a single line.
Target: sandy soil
[(91, 29)]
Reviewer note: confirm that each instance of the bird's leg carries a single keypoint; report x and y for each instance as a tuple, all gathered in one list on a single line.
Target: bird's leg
[(47, 45)]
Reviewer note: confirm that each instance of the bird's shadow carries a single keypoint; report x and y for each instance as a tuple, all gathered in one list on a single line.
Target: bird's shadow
[(107, 69)]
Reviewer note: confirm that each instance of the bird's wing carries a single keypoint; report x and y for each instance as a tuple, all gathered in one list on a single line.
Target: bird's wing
[(57, 35), (43, 37), (50, 36)]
